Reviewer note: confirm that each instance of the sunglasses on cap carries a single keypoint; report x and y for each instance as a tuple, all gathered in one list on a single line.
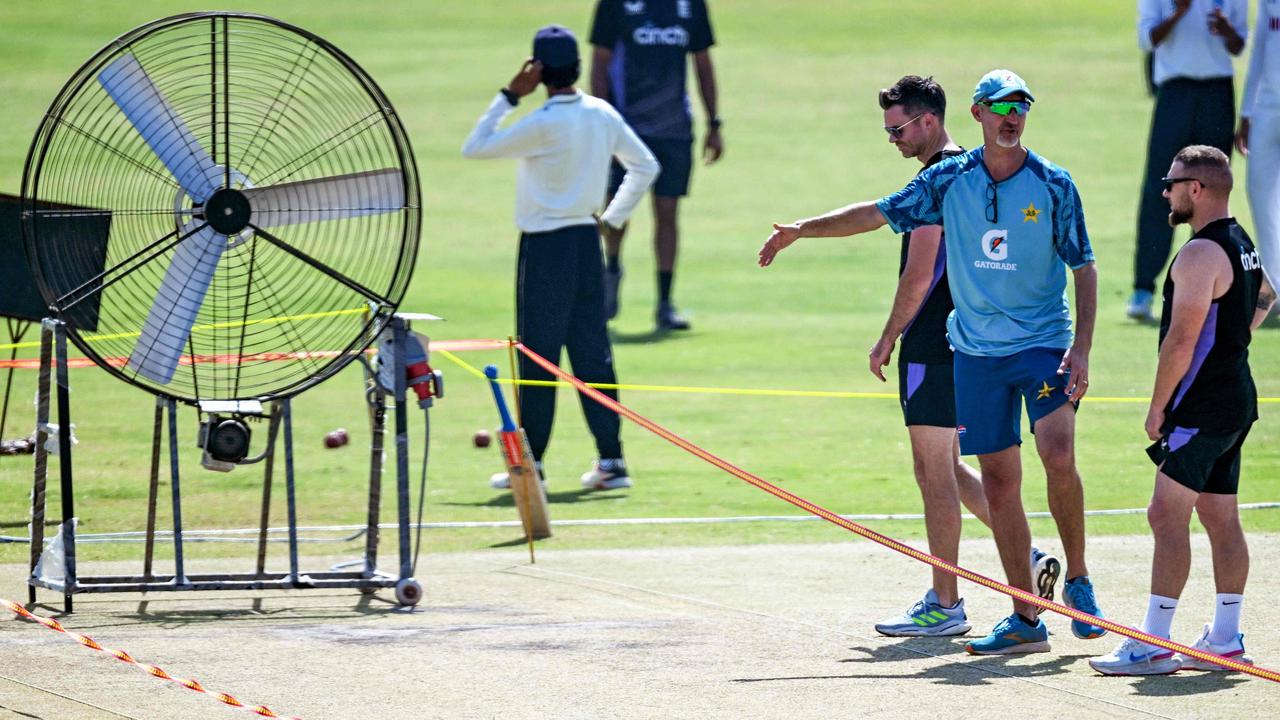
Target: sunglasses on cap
[(1169, 182), (895, 132), (1004, 107)]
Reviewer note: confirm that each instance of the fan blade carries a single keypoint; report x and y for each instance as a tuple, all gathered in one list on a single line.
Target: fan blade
[(330, 198), (160, 126), (164, 334)]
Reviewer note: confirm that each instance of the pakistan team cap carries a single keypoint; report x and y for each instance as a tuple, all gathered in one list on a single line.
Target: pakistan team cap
[(999, 84), (555, 46)]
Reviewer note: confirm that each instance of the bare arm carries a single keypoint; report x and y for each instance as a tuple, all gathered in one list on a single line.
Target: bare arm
[(713, 145), (1076, 359), (913, 288), (1194, 290), (849, 220), (600, 59), (1266, 298), (1221, 26)]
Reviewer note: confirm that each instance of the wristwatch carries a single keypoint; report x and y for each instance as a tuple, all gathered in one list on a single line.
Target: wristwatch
[(511, 97), (714, 123)]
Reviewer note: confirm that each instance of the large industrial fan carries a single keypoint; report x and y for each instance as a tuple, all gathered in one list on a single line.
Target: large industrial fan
[(264, 219)]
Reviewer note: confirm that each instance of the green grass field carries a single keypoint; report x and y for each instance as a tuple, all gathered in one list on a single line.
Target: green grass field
[(798, 86)]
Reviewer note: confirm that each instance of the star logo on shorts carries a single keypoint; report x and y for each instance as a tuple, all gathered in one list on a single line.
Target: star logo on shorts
[(1044, 391), (1031, 213)]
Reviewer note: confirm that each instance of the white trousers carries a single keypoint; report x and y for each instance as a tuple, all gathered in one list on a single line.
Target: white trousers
[(1264, 189)]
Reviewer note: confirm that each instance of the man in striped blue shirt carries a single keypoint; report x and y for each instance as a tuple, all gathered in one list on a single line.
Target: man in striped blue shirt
[(1014, 226)]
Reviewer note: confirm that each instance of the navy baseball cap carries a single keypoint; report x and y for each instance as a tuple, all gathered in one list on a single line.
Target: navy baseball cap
[(555, 46), (999, 84)]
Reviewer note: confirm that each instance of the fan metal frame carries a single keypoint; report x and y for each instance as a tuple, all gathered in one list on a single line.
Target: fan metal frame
[(382, 304)]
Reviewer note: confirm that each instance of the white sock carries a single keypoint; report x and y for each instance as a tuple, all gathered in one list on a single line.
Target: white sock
[(1160, 615), (1226, 618)]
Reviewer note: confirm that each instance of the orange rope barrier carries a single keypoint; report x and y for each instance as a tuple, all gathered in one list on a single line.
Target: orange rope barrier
[(260, 710), (884, 540)]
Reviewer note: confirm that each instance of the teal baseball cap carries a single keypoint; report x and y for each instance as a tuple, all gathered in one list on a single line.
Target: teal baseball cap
[(999, 84)]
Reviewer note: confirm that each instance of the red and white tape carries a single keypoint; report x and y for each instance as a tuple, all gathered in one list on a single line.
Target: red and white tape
[(85, 640)]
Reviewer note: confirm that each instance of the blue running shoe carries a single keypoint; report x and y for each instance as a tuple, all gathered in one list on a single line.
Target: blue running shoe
[(1078, 593), (1012, 635), (927, 618)]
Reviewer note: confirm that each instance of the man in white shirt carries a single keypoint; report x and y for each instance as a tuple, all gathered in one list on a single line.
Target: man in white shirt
[(1192, 42), (564, 148), (1259, 134)]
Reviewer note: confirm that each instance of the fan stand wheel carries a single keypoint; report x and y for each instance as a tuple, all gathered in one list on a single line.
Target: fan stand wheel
[(408, 592)]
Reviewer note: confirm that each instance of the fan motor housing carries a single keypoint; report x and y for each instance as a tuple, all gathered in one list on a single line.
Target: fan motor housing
[(224, 440)]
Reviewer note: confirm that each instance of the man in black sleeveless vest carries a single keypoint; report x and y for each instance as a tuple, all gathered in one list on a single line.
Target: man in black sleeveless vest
[(1202, 407)]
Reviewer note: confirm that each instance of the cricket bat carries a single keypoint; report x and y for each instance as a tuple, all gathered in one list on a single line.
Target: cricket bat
[(526, 485)]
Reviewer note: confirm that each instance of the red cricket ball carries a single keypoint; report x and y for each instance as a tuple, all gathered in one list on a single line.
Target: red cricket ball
[(482, 438), (333, 440)]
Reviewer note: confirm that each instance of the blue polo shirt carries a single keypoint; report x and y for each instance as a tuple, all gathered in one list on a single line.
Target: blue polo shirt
[(651, 41), (1008, 246)]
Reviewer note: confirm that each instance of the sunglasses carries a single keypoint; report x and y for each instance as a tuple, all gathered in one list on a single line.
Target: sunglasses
[(1169, 182), (896, 132), (1004, 107)]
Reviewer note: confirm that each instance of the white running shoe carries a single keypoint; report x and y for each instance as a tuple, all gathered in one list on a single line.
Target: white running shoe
[(1134, 657), (607, 474), (927, 618), (1231, 650), (502, 481)]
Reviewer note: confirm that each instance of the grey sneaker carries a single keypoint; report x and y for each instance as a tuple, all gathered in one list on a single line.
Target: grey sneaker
[(612, 281), (927, 618), (502, 481), (1045, 569), (667, 318), (607, 474), (1139, 307)]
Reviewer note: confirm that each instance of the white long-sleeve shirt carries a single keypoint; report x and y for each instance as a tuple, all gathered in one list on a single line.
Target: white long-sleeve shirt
[(565, 148), (1262, 88), (1190, 50)]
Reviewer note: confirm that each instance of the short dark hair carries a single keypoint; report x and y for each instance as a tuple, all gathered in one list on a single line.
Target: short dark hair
[(561, 77), (916, 95), (1207, 164)]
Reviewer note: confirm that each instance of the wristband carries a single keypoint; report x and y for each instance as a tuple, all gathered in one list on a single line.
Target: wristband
[(511, 97)]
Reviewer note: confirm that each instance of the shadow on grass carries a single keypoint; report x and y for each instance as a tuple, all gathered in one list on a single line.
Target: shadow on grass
[(950, 671), (564, 497), (649, 336), (1186, 683)]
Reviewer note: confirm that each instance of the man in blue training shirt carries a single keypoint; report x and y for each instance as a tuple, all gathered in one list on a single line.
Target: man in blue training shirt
[(1013, 221), (639, 64)]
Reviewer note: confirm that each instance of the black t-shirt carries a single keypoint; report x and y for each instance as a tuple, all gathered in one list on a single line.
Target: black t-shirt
[(924, 340), (650, 40), (1217, 395)]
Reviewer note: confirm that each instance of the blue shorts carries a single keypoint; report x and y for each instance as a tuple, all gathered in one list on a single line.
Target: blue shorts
[(990, 392), (676, 159)]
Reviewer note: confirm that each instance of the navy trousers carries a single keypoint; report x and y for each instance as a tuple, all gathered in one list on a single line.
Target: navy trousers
[(560, 304), (1187, 112)]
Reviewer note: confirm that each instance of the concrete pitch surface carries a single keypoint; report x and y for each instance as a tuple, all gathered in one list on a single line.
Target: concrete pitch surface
[(760, 632)]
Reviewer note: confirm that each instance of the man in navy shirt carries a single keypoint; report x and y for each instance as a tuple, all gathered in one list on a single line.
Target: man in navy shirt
[(639, 67)]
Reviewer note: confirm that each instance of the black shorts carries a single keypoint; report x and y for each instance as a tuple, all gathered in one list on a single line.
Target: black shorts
[(1202, 462), (928, 393), (676, 159)]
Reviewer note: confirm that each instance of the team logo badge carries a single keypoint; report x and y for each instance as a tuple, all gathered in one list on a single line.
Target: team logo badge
[(1030, 213), (684, 10), (633, 8), (1044, 391), (961, 430)]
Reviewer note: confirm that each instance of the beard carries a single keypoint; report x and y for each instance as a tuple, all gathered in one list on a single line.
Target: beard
[(1178, 216), (1007, 140)]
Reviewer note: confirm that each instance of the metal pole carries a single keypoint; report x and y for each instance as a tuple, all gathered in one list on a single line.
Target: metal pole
[(402, 447), (179, 572), (265, 518), (38, 499), (153, 491), (64, 463), (378, 431), (288, 486)]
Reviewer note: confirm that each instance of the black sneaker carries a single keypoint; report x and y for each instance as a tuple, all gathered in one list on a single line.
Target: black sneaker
[(668, 319)]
